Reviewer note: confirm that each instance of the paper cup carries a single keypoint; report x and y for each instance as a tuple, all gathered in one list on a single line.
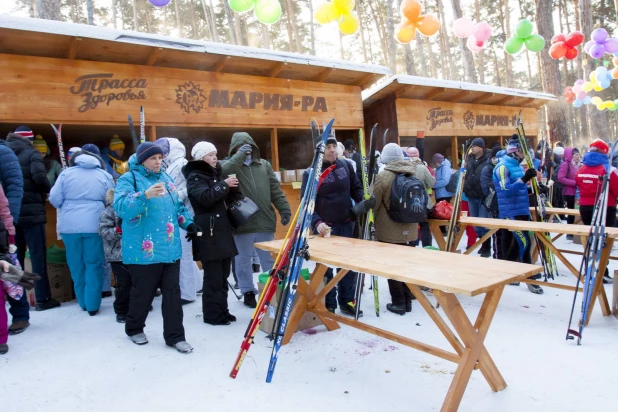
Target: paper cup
[(233, 175), (464, 213)]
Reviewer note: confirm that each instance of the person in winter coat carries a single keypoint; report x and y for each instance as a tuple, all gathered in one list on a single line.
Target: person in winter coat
[(335, 214), (589, 178), (475, 163), (341, 155), (30, 228), (208, 192), (510, 183), (566, 176), (53, 167), (389, 231), (7, 235), (350, 152), (173, 162), (79, 196), (258, 182), (112, 156), (443, 176), (147, 202), (490, 199), (414, 157)]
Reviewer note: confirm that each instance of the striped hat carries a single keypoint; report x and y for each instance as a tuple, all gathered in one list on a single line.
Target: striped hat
[(25, 131), (116, 143), (40, 145)]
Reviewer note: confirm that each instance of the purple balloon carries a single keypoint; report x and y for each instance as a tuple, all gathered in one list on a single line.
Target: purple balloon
[(588, 45), (159, 3), (611, 45), (599, 35), (597, 51), (579, 81)]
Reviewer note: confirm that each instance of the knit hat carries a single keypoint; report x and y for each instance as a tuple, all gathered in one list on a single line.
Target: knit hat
[(331, 139), (494, 151), (437, 158), (147, 150), (40, 145), (559, 151), (348, 144), (91, 148), (72, 151), (340, 149), (165, 145), (116, 143), (575, 151), (413, 152), (201, 149), (513, 145), (25, 131), (601, 146), (391, 152), (478, 142)]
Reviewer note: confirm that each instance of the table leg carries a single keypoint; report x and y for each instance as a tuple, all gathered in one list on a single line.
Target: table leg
[(434, 228), (480, 241), (599, 290), (541, 237)]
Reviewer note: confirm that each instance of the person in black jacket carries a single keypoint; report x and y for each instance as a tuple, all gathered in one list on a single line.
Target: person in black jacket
[(335, 214), (208, 193), (472, 188), (490, 197), (351, 153), (30, 227)]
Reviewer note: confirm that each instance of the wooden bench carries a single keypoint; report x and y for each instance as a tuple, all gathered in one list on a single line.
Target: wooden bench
[(539, 229), (447, 275)]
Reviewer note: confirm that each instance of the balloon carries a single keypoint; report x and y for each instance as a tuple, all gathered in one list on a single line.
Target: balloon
[(597, 87), (564, 46), (524, 28), (574, 38), (411, 17), (326, 13), (513, 45), (345, 4), (348, 23), (405, 32), (558, 38), (571, 53), (596, 100), (588, 100), (535, 43), (577, 88), (268, 11), (241, 6), (558, 50), (428, 25), (159, 3), (482, 31), (579, 82), (605, 83), (614, 73), (581, 95), (340, 11), (587, 87), (577, 103), (588, 45), (411, 9), (463, 27), (473, 44), (596, 51), (611, 45), (601, 71), (599, 35)]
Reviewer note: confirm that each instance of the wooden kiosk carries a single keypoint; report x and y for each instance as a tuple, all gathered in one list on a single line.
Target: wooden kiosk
[(90, 78), (446, 113)]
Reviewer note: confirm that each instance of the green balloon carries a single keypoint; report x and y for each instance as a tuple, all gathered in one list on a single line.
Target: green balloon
[(524, 28), (513, 45), (268, 11), (241, 6), (535, 43)]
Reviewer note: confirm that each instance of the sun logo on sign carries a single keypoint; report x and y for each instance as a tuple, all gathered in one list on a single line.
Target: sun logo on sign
[(469, 120), (189, 96)]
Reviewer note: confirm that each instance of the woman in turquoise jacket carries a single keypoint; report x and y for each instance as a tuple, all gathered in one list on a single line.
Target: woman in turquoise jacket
[(147, 202)]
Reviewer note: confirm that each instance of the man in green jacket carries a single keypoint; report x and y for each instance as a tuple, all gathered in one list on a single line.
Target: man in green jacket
[(259, 183)]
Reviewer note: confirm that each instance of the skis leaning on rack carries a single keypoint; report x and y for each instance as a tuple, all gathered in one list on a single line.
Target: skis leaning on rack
[(452, 224), (293, 246), (368, 231), (548, 260), (589, 267), (63, 158)]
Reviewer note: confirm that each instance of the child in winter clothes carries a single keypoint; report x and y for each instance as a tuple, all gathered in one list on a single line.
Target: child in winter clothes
[(566, 175)]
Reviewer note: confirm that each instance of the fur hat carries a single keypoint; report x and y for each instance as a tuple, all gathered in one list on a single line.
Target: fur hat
[(201, 149), (391, 152)]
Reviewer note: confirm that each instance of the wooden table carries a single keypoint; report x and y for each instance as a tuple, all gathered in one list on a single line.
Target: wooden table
[(539, 229), (446, 274)]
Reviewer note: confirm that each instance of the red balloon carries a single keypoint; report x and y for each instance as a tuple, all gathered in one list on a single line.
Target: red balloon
[(571, 53), (558, 50), (568, 94), (558, 37), (574, 39)]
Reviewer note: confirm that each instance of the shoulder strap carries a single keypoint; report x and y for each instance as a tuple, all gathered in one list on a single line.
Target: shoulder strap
[(134, 180)]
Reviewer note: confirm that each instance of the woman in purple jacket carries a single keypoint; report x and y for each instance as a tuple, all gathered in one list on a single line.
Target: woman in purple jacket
[(566, 176)]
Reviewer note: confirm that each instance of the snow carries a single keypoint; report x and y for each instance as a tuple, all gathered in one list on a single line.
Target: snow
[(67, 361)]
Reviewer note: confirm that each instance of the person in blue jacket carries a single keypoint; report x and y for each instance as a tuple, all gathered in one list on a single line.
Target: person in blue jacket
[(443, 176), (511, 184), (79, 196), (147, 202)]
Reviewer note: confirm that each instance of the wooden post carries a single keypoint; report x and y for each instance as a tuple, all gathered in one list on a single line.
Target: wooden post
[(153, 133), (274, 149), (454, 151)]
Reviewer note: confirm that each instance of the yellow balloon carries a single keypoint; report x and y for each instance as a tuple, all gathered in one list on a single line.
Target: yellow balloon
[(587, 87), (326, 13), (348, 23), (597, 87), (347, 5), (601, 107), (593, 76), (596, 100)]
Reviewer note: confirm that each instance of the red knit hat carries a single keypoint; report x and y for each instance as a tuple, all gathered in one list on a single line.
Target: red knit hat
[(600, 145)]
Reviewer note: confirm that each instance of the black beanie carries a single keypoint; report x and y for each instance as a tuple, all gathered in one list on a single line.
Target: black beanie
[(495, 150), (478, 142)]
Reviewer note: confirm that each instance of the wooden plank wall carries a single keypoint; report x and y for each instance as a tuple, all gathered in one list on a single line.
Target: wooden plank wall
[(384, 113)]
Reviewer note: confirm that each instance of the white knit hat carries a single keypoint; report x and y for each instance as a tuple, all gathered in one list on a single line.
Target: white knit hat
[(202, 149), (391, 152)]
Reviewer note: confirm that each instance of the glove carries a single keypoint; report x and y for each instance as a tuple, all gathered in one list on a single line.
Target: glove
[(323, 229), (192, 232), (530, 173), (246, 148), (364, 206), (119, 230), (19, 277), (285, 219)]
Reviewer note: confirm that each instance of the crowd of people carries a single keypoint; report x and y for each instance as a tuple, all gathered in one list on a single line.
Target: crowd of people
[(151, 218)]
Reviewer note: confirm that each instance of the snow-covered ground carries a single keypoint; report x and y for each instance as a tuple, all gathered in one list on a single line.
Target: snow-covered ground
[(69, 361)]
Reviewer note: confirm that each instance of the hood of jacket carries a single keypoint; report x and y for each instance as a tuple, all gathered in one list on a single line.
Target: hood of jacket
[(401, 166), (568, 154), (445, 163), (595, 159), (177, 151), (18, 143), (86, 160), (242, 138), (202, 167), (109, 197)]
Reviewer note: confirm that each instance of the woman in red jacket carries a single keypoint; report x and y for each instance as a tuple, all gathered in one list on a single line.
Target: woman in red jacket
[(588, 180)]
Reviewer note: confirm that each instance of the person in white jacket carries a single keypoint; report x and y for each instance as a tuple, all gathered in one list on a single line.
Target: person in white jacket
[(173, 163)]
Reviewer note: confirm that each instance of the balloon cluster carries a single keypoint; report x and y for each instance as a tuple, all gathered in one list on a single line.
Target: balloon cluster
[(159, 3), (565, 46), (523, 36), (477, 34), (611, 105), (569, 95), (600, 79), (581, 96), (614, 71), (341, 11), (266, 11), (600, 44), (412, 20)]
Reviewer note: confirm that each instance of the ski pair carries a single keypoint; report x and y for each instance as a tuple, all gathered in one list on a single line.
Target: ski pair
[(286, 251), (142, 128), (63, 158), (452, 224)]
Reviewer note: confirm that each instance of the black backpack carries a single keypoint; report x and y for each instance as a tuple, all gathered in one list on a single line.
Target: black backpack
[(409, 199), (451, 186)]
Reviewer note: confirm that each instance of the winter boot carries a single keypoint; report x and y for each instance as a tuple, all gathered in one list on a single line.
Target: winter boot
[(4, 348), (331, 310), (486, 249), (223, 322), (185, 301), (139, 339), (536, 289), (230, 317), (183, 347), (93, 312), (121, 318), (569, 237), (106, 294), (47, 304), (408, 306), (606, 279), (250, 300), (18, 327), (349, 309), (397, 309), (199, 292), (255, 267)]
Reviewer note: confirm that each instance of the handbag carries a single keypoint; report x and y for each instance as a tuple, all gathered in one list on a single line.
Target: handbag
[(443, 210), (240, 211)]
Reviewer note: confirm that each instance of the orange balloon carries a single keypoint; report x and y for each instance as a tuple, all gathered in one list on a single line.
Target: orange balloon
[(405, 32), (615, 60), (428, 25), (411, 9), (614, 73)]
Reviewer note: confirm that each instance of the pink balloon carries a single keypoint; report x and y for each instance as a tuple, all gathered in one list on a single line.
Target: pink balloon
[(463, 27), (482, 31), (581, 95), (579, 82), (474, 44), (611, 45), (577, 88)]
